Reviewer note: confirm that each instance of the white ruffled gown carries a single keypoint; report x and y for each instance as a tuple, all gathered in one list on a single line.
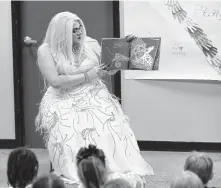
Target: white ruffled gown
[(89, 114)]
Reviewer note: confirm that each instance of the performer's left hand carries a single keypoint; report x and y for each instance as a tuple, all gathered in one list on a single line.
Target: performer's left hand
[(130, 37), (101, 70)]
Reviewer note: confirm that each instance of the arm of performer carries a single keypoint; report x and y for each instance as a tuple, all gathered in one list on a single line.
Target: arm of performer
[(82, 69), (97, 49), (71, 70), (49, 71)]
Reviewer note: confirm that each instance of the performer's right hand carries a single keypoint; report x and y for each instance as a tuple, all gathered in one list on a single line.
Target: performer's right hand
[(112, 72), (93, 73)]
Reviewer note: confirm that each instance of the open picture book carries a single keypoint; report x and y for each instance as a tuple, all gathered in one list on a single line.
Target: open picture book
[(140, 54)]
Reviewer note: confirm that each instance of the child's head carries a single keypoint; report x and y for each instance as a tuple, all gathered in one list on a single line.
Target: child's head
[(22, 167), (187, 179), (117, 183), (91, 166), (49, 181), (200, 164)]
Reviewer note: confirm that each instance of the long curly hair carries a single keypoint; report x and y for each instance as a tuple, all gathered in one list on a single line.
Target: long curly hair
[(59, 37), (91, 166), (22, 167)]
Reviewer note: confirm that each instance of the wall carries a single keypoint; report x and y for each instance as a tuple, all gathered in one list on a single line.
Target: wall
[(7, 125), (165, 110), (184, 111)]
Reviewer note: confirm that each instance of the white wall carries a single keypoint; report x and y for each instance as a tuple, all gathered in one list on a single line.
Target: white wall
[(184, 111), (7, 122)]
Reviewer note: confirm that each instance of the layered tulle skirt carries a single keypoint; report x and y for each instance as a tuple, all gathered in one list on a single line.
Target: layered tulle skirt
[(88, 114)]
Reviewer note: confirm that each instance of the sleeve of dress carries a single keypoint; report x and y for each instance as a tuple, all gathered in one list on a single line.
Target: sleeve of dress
[(95, 46), (97, 50)]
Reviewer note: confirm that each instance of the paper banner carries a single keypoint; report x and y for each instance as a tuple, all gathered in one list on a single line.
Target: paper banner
[(185, 54)]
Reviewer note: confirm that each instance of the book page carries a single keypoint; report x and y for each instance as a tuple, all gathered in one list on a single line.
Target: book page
[(115, 53)]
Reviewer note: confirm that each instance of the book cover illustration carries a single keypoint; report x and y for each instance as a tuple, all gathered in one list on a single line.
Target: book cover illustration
[(144, 54), (141, 54), (115, 54)]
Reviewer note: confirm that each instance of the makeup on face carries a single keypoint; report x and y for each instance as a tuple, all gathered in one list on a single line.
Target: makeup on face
[(77, 30)]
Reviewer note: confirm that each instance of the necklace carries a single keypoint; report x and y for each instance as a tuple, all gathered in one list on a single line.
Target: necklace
[(80, 57), (76, 49)]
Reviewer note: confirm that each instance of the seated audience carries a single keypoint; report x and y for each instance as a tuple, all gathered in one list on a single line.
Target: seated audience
[(187, 179), (93, 171), (201, 165), (48, 181), (117, 183), (91, 167), (22, 167)]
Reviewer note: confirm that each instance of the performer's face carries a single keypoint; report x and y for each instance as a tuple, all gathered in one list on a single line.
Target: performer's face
[(77, 33)]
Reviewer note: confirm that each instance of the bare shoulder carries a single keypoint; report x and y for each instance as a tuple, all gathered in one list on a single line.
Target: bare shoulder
[(43, 53), (45, 61), (91, 40), (94, 44), (43, 49)]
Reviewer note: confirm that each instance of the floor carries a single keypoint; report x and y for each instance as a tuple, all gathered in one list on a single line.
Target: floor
[(165, 164)]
